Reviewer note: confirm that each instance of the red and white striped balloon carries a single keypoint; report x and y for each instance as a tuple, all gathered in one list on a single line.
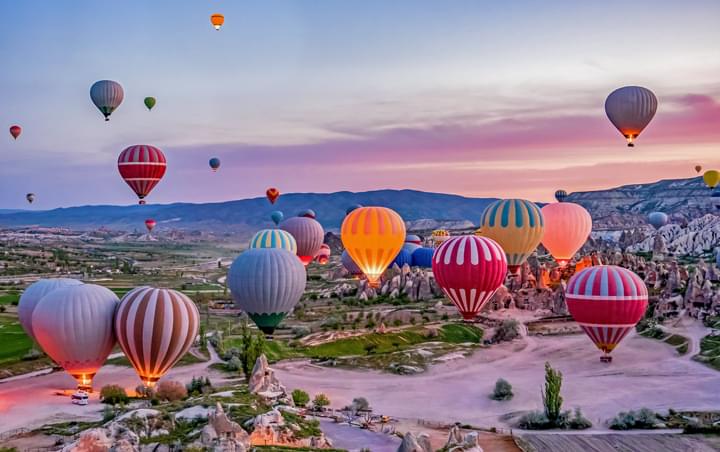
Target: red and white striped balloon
[(469, 269), (607, 301), (142, 166), (155, 328)]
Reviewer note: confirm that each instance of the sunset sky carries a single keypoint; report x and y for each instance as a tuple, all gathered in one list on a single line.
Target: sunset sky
[(478, 98)]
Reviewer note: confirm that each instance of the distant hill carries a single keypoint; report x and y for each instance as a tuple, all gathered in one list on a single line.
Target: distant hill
[(250, 214)]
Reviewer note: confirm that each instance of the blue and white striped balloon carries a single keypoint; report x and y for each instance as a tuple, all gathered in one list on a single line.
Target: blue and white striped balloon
[(274, 238)]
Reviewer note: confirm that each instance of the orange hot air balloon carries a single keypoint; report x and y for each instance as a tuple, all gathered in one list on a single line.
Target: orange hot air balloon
[(217, 21), (567, 227), (373, 236), (272, 194)]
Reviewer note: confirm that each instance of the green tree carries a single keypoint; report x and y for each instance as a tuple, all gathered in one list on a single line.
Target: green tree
[(502, 391), (300, 397), (321, 401), (113, 394), (252, 345), (552, 400)]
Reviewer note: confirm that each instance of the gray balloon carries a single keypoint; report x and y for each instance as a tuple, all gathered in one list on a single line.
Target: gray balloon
[(267, 283), (308, 233), (32, 295)]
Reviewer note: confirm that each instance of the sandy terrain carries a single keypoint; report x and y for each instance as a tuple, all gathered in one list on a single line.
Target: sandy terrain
[(644, 373)]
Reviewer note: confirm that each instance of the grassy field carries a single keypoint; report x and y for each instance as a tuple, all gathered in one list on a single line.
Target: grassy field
[(9, 298), (15, 343)]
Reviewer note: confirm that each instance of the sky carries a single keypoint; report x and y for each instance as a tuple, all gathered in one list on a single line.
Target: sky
[(477, 98)]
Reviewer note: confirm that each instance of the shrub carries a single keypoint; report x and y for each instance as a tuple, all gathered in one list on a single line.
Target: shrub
[(113, 394), (108, 413), (502, 391), (534, 420), (234, 364), (300, 397), (578, 421), (507, 331), (199, 386), (641, 419), (31, 355), (320, 401), (171, 391), (360, 404)]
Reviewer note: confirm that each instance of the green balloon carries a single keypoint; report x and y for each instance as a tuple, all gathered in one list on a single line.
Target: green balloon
[(150, 102)]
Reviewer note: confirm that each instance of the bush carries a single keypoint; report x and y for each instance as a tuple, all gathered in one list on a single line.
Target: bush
[(502, 391), (113, 394), (320, 401), (300, 397), (641, 419), (534, 420), (234, 364), (171, 391), (31, 355), (507, 331), (578, 421), (199, 386)]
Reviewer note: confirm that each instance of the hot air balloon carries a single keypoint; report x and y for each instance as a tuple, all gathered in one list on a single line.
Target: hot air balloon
[(410, 247), (107, 95), (32, 295), (309, 235), (412, 238), (217, 21), (323, 255), (150, 224), (277, 217), (567, 227), (373, 237), (711, 178), (214, 163), (142, 166), (272, 194), (30, 197), (517, 225), (349, 264), (698, 168), (15, 131), (630, 109), (307, 213), (403, 257), (560, 195), (469, 269), (74, 326), (439, 236), (351, 208), (422, 257), (266, 283), (658, 219), (607, 301), (274, 238), (150, 102), (155, 328)]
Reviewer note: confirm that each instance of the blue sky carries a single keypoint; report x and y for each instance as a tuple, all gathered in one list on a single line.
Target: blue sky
[(456, 96)]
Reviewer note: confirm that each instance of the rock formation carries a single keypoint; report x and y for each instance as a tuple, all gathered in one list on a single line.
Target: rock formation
[(223, 434), (412, 443), (264, 383)]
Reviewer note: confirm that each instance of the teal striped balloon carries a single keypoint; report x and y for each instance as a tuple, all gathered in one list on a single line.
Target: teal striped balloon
[(274, 238)]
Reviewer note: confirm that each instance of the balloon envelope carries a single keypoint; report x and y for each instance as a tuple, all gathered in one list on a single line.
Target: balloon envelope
[(274, 238), (30, 197), (150, 224), (469, 269), (560, 195), (323, 255), (74, 326), (32, 295), (439, 236), (155, 328), (658, 219), (517, 225), (351, 208), (607, 301), (214, 163), (107, 95), (150, 102), (308, 213), (277, 217), (217, 20), (711, 178), (422, 257), (698, 168), (412, 238), (567, 227), (630, 109), (373, 237), (403, 257), (266, 283), (15, 131), (309, 235), (272, 194), (142, 166)]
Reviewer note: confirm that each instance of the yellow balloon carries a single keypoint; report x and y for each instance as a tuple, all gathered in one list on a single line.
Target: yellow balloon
[(711, 178), (517, 225), (439, 236), (373, 236)]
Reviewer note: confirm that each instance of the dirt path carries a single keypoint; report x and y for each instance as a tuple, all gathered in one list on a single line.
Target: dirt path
[(644, 373)]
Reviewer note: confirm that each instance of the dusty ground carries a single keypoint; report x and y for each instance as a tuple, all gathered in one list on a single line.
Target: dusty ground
[(644, 373), (614, 442)]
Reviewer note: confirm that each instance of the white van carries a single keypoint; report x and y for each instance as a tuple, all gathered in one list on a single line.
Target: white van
[(80, 398)]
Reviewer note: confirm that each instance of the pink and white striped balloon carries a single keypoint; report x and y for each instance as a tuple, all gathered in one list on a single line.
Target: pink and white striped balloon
[(469, 269)]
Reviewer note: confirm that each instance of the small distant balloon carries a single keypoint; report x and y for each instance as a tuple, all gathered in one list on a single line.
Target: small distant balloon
[(272, 194), (107, 95), (711, 178), (30, 197), (150, 224), (658, 219), (351, 208), (277, 217), (560, 195), (150, 102), (217, 21), (698, 168), (307, 213), (630, 109), (15, 131), (214, 163)]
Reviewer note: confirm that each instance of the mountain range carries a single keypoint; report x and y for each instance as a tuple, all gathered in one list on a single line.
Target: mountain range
[(612, 209)]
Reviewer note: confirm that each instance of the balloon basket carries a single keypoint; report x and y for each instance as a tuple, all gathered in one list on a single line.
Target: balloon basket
[(606, 359)]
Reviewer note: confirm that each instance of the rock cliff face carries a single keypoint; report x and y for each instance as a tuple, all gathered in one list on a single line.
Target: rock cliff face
[(700, 236)]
